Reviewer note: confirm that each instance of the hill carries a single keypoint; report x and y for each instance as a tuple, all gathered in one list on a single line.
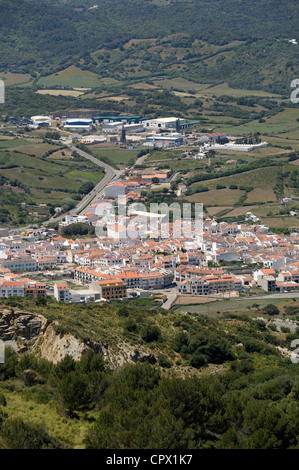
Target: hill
[(207, 381), (207, 41)]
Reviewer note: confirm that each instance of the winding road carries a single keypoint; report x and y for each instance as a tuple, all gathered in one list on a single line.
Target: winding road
[(99, 188), (97, 191)]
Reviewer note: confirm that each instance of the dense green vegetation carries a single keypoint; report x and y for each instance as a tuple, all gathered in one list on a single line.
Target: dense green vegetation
[(177, 44), (27, 26), (194, 381), (77, 229), (136, 407)]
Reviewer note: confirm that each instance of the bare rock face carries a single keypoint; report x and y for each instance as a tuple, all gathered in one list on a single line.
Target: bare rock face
[(55, 347), (124, 353), (23, 324), (25, 331)]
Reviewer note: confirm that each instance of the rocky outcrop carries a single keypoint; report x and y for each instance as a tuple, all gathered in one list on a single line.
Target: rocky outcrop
[(26, 326), (25, 331), (123, 353), (54, 346)]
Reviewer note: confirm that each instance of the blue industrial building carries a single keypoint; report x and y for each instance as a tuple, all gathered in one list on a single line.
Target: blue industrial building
[(78, 123), (171, 140)]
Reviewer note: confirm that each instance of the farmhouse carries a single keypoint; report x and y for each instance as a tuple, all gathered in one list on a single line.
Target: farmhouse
[(120, 188)]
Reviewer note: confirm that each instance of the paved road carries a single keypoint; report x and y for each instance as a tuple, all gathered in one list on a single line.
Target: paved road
[(98, 190), (141, 159), (170, 293), (171, 296)]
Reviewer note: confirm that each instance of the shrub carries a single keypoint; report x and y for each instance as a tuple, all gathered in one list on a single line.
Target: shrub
[(198, 360), (150, 333), (21, 435), (74, 393), (164, 361), (271, 309), (3, 401), (130, 326)]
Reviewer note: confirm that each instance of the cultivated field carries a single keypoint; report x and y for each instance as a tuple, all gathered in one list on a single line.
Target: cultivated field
[(13, 79), (261, 195), (283, 124), (71, 77), (36, 175), (234, 306), (60, 92), (217, 196), (115, 156)]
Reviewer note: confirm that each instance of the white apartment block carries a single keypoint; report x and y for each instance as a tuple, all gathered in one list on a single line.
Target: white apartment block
[(62, 292)]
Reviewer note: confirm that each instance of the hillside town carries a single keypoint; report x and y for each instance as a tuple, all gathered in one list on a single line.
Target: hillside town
[(149, 228), (225, 259), (135, 251)]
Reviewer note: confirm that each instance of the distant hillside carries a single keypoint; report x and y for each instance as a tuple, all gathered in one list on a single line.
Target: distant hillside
[(48, 36)]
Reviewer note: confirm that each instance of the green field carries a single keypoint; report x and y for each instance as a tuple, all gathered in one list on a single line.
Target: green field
[(15, 143), (93, 177), (280, 124), (157, 155), (115, 157), (225, 89), (15, 79), (216, 197), (72, 77), (234, 306), (32, 177), (259, 178), (259, 191), (182, 84), (261, 195), (282, 221), (208, 90)]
